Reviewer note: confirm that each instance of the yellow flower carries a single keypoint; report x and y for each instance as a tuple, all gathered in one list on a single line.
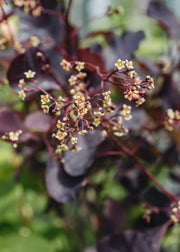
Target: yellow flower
[(129, 64), (83, 132), (29, 74), (22, 94), (170, 113), (60, 135), (21, 83), (96, 122), (74, 140), (44, 99), (45, 109), (81, 75), (79, 66), (66, 65), (60, 125), (34, 41), (120, 64), (72, 80)]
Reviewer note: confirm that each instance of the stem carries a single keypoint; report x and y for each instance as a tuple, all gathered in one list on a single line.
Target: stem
[(142, 168), (53, 13)]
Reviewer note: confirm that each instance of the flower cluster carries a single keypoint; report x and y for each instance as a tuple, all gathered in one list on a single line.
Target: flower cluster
[(134, 88), (32, 7), (172, 119), (13, 137), (29, 75), (82, 110)]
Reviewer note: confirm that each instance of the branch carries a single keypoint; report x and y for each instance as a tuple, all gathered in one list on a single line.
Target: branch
[(142, 168)]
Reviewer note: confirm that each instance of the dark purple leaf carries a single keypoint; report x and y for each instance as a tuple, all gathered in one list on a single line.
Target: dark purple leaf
[(138, 119), (121, 47), (29, 61), (148, 66), (165, 17), (156, 234), (61, 186), (156, 198), (9, 121), (39, 122), (49, 4), (77, 163), (44, 26), (129, 241), (115, 214), (87, 56)]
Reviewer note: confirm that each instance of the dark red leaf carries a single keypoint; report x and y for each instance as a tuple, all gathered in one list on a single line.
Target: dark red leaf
[(165, 17), (129, 241), (121, 47), (61, 186), (148, 66), (9, 121), (77, 163), (24, 62), (39, 122), (157, 233), (86, 55)]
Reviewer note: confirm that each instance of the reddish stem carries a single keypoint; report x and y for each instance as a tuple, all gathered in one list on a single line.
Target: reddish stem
[(141, 167)]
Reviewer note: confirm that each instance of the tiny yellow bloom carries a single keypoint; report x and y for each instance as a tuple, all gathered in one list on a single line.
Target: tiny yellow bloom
[(72, 80), (80, 66), (21, 83), (120, 64), (66, 65), (45, 99), (22, 94), (34, 41), (60, 135), (60, 125), (29, 74), (74, 140), (45, 109)]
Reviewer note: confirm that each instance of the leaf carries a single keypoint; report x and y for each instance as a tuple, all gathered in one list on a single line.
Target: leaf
[(137, 121), (9, 121), (77, 163), (39, 122), (157, 233), (29, 61), (129, 241), (61, 186), (86, 55), (121, 47), (148, 66), (165, 17)]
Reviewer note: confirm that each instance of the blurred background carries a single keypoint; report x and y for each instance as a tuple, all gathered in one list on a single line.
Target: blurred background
[(28, 222)]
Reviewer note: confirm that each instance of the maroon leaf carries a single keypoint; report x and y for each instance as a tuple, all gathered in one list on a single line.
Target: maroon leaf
[(77, 163), (147, 66), (122, 47), (9, 121), (165, 17), (24, 62), (138, 119), (39, 122), (86, 55), (129, 241), (61, 186), (157, 233)]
